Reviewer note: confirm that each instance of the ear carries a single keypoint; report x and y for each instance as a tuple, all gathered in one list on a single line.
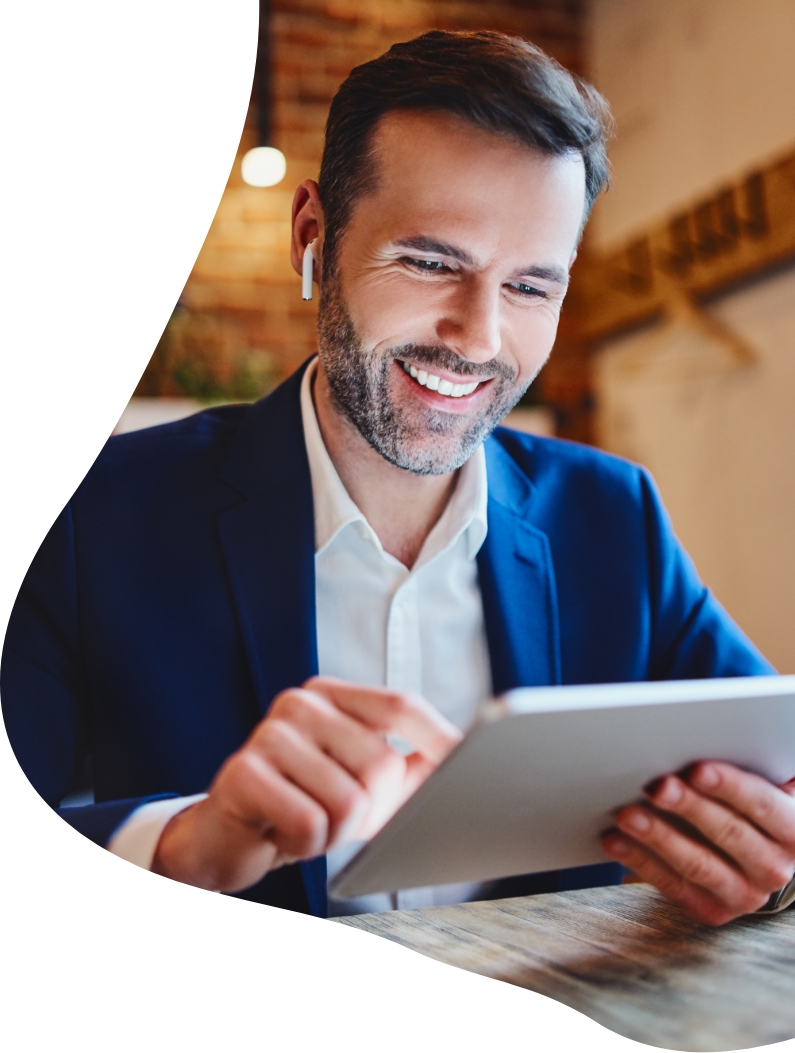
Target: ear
[(308, 225), (573, 258)]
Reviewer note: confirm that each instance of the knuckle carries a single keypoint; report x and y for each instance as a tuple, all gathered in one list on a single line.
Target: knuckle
[(699, 870), (730, 830), (289, 706), (282, 700), (777, 875), (324, 686), (242, 766), (762, 809), (240, 772), (742, 898), (272, 736), (674, 886), (349, 801), (321, 682), (707, 908)]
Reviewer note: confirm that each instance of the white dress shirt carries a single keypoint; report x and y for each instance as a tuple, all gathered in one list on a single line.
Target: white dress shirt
[(380, 623)]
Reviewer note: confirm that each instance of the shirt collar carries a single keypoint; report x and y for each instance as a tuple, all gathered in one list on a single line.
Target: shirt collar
[(334, 508)]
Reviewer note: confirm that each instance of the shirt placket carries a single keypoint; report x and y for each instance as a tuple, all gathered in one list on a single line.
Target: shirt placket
[(404, 673), (403, 645)]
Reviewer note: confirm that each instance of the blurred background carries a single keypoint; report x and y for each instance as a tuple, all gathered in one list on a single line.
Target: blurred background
[(677, 344)]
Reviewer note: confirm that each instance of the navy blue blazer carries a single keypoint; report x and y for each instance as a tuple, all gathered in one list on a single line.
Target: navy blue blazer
[(175, 597)]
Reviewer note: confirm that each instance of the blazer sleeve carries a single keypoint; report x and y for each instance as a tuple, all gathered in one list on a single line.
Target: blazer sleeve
[(45, 697), (692, 635)]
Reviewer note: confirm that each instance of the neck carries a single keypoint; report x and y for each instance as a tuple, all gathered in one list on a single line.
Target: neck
[(401, 507)]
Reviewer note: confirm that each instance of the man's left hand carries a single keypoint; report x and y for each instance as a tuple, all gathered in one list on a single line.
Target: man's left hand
[(717, 841)]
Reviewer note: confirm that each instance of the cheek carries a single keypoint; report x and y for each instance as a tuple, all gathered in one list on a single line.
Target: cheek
[(392, 310), (529, 339)]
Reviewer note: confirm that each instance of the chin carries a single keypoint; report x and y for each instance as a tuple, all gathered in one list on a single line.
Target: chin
[(428, 456)]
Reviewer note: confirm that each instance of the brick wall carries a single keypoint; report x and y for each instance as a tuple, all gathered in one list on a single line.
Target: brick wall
[(243, 298)]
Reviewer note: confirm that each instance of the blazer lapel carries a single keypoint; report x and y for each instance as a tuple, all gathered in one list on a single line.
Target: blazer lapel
[(517, 582), (268, 541)]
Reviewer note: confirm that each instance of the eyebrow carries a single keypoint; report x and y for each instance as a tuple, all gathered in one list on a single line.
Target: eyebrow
[(422, 243)]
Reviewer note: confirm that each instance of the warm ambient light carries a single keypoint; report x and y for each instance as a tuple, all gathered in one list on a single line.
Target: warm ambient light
[(263, 166)]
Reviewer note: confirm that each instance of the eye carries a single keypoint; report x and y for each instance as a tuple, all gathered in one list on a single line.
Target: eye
[(425, 266), (526, 290)]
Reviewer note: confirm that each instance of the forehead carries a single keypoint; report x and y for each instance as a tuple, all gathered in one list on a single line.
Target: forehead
[(439, 170)]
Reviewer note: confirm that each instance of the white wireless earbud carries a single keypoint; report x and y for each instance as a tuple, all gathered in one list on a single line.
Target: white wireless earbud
[(306, 272)]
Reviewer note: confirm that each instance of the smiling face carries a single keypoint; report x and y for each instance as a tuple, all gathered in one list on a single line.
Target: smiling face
[(447, 287)]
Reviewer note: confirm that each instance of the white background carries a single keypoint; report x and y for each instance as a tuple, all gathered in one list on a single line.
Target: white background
[(120, 123)]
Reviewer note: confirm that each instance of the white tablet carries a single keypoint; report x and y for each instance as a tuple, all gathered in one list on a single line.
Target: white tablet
[(538, 778)]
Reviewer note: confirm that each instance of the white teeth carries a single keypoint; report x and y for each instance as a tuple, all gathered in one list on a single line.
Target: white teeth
[(434, 383)]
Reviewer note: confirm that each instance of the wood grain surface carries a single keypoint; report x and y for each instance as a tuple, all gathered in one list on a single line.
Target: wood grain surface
[(623, 956)]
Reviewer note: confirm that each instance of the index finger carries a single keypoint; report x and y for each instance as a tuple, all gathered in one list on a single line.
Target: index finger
[(392, 713), (767, 806)]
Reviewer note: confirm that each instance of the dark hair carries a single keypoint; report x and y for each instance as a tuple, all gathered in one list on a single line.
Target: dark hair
[(503, 85)]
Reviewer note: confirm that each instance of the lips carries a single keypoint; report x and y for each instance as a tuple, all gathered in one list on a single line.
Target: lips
[(435, 383)]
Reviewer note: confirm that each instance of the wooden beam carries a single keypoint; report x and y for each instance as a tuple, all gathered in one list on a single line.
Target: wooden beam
[(261, 88), (743, 228)]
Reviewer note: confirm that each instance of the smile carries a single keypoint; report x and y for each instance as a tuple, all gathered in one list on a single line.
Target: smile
[(434, 383)]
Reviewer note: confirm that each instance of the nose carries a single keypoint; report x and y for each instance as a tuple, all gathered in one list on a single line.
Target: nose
[(470, 324)]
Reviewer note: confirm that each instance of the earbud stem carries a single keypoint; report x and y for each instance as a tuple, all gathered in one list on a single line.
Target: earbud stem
[(307, 272)]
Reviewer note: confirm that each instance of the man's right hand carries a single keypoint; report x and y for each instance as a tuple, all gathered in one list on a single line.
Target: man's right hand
[(316, 772)]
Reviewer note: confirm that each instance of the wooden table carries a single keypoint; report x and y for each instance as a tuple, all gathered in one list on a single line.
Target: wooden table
[(623, 956)]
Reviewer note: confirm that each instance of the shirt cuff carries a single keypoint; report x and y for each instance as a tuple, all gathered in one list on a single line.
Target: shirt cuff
[(136, 839)]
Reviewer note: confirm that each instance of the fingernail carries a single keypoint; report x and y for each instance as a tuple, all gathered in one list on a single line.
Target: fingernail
[(638, 821), (668, 791), (617, 845), (706, 776)]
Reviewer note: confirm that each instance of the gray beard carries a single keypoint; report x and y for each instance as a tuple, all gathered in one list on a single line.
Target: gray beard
[(359, 382)]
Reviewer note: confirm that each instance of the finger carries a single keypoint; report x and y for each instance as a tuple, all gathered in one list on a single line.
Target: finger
[(363, 752), (261, 801), (394, 794), (344, 799), (360, 750), (694, 901), (388, 777), (392, 712), (698, 864), (765, 863), (418, 768), (769, 807)]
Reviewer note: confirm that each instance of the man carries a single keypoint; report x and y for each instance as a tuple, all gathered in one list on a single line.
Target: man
[(360, 523)]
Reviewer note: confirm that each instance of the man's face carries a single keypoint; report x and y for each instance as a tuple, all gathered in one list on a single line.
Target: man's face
[(448, 286)]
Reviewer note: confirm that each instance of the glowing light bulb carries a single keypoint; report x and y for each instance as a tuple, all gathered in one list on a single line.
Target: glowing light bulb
[(263, 166)]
